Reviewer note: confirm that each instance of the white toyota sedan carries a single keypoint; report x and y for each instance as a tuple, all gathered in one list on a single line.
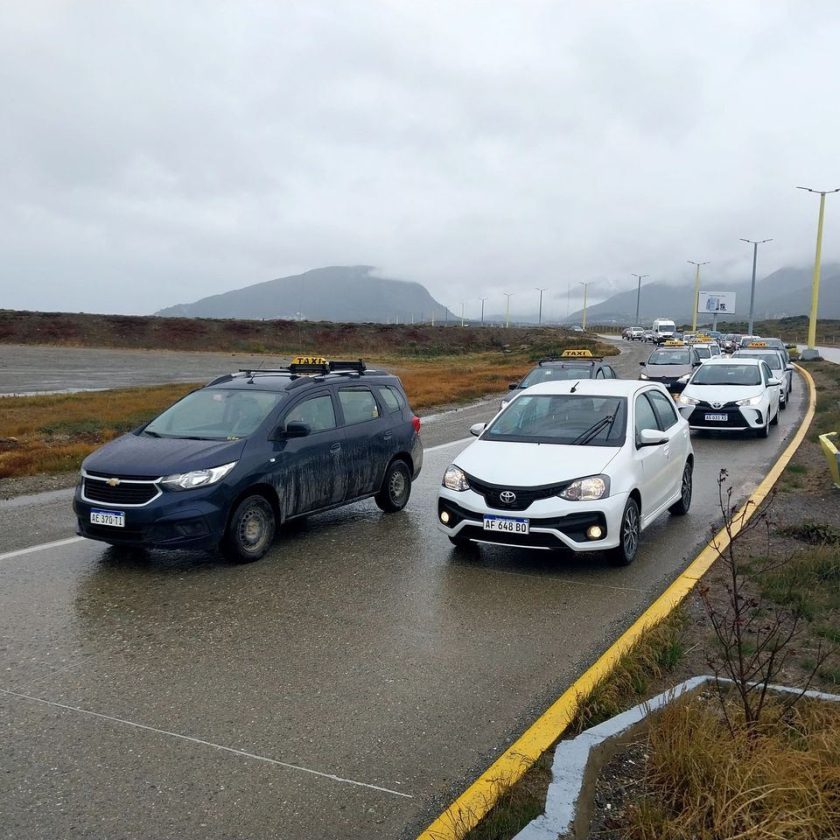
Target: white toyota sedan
[(585, 465), (732, 394)]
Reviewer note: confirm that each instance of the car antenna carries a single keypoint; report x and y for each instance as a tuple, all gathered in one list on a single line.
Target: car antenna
[(574, 387)]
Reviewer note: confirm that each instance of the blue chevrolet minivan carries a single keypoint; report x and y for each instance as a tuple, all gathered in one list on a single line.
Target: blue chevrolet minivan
[(229, 463)]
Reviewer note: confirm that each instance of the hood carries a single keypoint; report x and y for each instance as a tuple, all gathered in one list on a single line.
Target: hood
[(667, 370), (722, 393), (533, 464), (153, 457)]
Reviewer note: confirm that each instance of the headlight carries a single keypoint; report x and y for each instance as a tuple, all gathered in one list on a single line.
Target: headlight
[(197, 478), (643, 376), (587, 489), (455, 479), (684, 400), (751, 401)]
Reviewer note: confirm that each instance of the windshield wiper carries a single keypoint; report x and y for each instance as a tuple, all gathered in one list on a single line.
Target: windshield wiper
[(151, 434), (592, 432)]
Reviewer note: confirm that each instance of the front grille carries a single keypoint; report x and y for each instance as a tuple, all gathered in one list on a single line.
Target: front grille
[(734, 418), (125, 493), (725, 407), (525, 496)]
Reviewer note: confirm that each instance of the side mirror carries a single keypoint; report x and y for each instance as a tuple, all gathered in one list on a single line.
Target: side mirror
[(773, 381), (789, 367), (697, 363), (295, 430), (513, 386), (642, 364), (651, 437), (477, 428)]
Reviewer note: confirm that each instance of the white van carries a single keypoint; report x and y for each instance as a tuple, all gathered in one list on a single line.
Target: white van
[(663, 330)]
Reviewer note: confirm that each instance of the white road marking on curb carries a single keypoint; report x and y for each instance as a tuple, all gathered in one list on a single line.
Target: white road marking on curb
[(204, 743), (445, 445), (33, 548)]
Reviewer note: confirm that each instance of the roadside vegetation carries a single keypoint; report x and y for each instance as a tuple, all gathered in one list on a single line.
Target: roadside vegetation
[(53, 434), (732, 762)]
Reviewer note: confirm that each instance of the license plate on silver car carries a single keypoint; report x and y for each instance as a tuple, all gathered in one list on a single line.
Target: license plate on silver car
[(716, 418), (112, 518), (508, 524)]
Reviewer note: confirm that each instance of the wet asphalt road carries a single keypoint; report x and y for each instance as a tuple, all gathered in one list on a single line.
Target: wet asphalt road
[(344, 687)]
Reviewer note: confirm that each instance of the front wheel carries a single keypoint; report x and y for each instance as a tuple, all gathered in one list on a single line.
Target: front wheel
[(625, 552), (396, 488), (250, 531), (764, 431), (681, 506), (775, 420)]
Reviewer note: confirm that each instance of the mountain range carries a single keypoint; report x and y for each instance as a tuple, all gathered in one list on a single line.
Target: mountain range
[(335, 293), (783, 293)]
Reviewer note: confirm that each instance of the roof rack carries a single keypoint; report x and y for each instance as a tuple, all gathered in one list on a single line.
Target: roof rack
[(306, 366), (575, 360)]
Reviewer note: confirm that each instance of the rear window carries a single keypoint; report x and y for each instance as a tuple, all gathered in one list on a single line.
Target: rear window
[(555, 373), (358, 405), (390, 396)]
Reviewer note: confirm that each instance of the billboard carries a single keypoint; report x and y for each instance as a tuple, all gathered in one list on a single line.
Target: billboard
[(716, 303)]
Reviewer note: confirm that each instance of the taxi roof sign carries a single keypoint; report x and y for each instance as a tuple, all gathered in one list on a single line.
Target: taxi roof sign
[(758, 344), (673, 343), (320, 361), (576, 354)]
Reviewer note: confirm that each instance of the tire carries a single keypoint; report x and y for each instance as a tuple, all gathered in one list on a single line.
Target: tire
[(463, 544), (627, 549), (783, 404), (764, 431), (396, 488), (250, 531), (681, 507), (775, 420)]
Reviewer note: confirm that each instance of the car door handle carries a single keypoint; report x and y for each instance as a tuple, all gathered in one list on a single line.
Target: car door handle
[(387, 435), (335, 447)]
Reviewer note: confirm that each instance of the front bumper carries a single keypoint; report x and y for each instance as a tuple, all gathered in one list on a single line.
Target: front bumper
[(737, 418), (175, 520), (553, 523)]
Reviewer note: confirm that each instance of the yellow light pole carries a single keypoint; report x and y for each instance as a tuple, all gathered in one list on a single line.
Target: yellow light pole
[(585, 290), (508, 295), (811, 353), (696, 292)]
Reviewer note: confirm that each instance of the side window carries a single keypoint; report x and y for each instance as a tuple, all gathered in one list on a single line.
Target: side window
[(389, 397), (609, 372), (645, 417), (358, 405), (317, 412), (766, 371), (664, 408), (600, 374)]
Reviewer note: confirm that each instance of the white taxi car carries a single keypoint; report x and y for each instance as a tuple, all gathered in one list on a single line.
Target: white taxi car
[(587, 465), (732, 394)]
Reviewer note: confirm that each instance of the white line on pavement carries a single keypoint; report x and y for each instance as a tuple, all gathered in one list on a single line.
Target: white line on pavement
[(203, 743), (33, 548), (445, 445)]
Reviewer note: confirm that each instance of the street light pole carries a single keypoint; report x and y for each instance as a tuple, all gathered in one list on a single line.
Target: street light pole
[(755, 243), (508, 295), (462, 313), (585, 290), (811, 353), (640, 277), (539, 322), (696, 292), (482, 310)]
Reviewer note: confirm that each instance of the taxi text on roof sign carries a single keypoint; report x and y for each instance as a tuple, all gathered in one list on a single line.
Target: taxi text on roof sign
[(674, 344), (576, 354), (757, 344), (310, 360)]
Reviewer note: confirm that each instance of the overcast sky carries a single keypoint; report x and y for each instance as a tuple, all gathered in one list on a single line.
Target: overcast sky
[(157, 152)]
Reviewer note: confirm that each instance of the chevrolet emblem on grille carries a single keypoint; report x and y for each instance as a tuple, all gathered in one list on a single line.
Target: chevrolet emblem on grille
[(507, 496), (113, 482)]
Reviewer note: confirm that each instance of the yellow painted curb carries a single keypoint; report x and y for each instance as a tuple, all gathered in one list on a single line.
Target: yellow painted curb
[(468, 809)]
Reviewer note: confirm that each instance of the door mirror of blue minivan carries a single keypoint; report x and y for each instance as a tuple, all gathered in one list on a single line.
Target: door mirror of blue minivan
[(294, 430)]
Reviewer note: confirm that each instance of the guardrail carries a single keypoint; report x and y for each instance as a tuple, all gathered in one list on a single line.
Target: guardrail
[(832, 455)]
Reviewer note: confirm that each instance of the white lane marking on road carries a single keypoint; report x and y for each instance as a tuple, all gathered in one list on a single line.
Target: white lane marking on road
[(204, 743), (445, 445), (33, 548)]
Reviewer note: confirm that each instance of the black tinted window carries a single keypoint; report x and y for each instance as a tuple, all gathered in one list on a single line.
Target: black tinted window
[(389, 397), (358, 405)]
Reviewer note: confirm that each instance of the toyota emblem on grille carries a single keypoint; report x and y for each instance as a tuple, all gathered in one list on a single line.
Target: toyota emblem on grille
[(717, 405), (507, 496), (113, 482)]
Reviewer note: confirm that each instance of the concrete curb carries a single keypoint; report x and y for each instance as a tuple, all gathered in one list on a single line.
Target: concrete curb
[(577, 762)]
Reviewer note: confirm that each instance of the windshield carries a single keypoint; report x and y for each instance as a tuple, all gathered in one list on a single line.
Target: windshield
[(670, 357), (555, 373), (727, 375), (666, 326), (561, 418), (215, 414), (702, 352), (774, 360)]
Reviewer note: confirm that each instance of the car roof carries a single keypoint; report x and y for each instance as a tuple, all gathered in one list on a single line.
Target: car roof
[(284, 381), (594, 387), (720, 360)]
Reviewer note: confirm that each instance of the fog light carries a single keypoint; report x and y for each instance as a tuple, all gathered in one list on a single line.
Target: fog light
[(444, 517), (594, 532)]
